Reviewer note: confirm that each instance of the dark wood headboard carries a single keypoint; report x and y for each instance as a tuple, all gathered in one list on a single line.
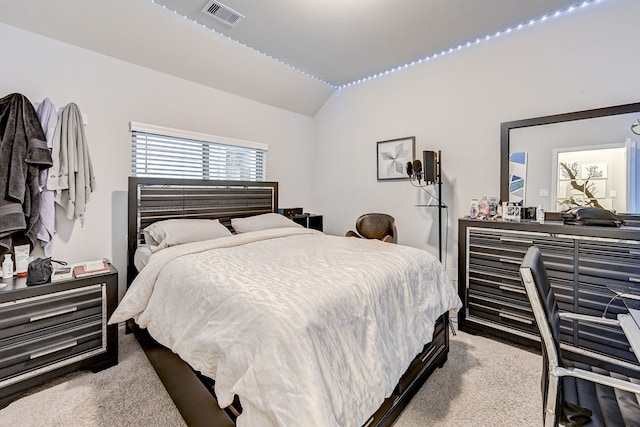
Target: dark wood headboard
[(157, 199)]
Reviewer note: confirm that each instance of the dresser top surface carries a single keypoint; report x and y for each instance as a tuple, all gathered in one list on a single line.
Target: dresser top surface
[(556, 227)]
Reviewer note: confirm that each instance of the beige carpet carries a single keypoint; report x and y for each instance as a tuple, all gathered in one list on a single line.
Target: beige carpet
[(484, 383)]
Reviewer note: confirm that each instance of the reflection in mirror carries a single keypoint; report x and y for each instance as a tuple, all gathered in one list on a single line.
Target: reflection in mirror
[(587, 158), (584, 177)]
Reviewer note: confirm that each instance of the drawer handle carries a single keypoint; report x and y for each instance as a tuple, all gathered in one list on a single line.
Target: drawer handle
[(53, 314), (511, 261), (516, 318), (53, 349), (510, 289), (506, 239)]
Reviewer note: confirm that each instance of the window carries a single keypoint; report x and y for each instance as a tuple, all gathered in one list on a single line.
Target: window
[(173, 153)]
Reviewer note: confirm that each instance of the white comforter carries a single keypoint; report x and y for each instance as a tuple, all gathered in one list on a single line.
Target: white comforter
[(307, 329)]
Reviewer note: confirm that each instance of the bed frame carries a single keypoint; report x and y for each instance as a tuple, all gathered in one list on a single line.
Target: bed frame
[(155, 199)]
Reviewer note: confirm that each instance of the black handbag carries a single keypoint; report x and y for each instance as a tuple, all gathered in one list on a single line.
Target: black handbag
[(40, 270), (587, 215)]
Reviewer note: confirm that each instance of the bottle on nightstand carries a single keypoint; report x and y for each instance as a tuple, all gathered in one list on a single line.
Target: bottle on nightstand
[(7, 267)]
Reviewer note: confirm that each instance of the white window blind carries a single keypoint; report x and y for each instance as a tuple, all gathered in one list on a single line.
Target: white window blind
[(173, 153)]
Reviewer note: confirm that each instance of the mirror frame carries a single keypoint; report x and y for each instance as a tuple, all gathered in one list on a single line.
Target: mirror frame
[(505, 127)]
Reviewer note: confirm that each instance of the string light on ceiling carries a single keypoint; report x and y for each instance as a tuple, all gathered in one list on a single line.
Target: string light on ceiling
[(517, 27), (205, 27)]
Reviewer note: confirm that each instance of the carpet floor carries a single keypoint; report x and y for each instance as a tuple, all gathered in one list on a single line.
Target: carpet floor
[(484, 383)]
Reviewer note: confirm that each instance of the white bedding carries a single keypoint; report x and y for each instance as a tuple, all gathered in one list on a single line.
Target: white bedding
[(307, 329), (141, 256)]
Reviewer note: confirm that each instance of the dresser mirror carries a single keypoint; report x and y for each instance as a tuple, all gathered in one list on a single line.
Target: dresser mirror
[(584, 158)]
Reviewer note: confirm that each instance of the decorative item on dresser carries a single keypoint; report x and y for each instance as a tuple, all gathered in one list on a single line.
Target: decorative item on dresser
[(152, 200), (51, 329), (583, 264)]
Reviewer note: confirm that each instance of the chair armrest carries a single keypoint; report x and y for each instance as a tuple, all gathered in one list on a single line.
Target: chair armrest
[(599, 379), (591, 319), (351, 233), (631, 331)]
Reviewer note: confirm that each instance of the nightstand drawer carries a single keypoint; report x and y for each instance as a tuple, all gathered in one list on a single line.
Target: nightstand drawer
[(34, 313), (23, 354)]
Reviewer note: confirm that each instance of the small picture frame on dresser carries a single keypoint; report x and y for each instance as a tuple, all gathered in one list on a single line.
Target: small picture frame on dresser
[(511, 212)]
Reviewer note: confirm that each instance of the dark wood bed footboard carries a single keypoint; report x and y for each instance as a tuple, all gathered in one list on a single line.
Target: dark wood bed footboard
[(196, 405), (194, 398)]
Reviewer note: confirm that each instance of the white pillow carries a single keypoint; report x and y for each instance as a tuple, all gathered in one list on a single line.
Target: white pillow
[(171, 232), (262, 222)]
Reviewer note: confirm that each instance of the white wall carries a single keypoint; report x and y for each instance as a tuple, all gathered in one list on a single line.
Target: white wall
[(112, 93), (328, 164), (455, 103)]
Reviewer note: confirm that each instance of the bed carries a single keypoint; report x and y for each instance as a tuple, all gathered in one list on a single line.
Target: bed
[(276, 323)]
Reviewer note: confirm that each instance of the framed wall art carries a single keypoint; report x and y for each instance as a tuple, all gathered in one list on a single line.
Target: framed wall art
[(392, 157)]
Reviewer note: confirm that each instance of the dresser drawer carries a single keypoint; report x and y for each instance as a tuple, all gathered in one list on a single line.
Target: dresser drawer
[(594, 300), (505, 251), (498, 310), (606, 340), (507, 284), (609, 260), (519, 241), (498, 282)]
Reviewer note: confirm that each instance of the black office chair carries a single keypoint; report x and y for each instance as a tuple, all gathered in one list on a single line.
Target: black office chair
[(574, 394), (375, 226)]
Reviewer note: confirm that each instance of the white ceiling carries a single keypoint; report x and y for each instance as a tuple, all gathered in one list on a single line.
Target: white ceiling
[(288, 53)]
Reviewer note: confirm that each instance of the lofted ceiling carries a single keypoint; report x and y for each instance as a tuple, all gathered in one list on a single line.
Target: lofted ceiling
[(291, 54)]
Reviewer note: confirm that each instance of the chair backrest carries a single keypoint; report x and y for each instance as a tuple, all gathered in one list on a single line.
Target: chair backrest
[(376, 226), (547, 315), (533, 263)]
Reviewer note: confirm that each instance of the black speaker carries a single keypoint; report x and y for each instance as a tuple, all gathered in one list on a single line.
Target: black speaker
[(430, 166)]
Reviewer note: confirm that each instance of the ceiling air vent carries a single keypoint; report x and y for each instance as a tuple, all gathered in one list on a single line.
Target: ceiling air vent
[(222, 13)]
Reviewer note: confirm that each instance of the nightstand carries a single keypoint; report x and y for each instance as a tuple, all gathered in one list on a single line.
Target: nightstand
[(53, 329), (308, 220)]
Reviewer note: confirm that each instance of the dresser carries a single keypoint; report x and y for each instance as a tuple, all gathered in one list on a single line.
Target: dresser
[(53, 329), (583, 263)]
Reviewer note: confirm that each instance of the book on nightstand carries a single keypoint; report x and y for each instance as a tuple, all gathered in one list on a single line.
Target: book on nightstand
[(90, 268), (62, 273)]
